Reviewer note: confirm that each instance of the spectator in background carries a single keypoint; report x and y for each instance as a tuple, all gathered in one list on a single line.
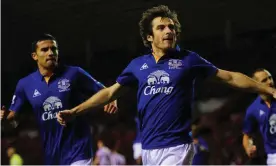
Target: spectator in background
[(116, 158), (15, 158), (137, 145), (103, 153)]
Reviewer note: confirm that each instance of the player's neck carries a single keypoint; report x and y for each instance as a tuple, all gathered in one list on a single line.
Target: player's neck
[(47, 73), (157, 53), (266, 99)]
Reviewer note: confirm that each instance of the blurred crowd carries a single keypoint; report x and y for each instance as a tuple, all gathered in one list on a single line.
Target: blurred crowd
[(220, 129)]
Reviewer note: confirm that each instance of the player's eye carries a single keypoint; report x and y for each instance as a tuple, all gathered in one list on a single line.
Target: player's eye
[(44, 49), (160, 27)]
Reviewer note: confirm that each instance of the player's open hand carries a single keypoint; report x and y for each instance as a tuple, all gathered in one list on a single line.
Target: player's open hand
[(63, 117), (111, 107)]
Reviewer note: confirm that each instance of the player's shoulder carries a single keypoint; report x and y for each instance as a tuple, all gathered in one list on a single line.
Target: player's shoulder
[(254, 105), (79, 72), (141, 61), (71, 68), (189, 53), (141, 58), (186, 55), (185, 52), (29, 78), (74, 69)]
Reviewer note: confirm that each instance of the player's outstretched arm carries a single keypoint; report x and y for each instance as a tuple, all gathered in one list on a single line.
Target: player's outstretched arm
[(101, 98), (241, 81), (98, 100)]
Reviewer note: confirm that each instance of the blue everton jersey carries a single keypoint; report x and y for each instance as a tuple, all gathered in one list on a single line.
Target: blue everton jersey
[(68, 87), (201, 152), (165, 95), (258, 115)]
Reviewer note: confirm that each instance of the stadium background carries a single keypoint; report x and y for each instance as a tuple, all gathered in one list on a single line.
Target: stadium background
[(103, 36)]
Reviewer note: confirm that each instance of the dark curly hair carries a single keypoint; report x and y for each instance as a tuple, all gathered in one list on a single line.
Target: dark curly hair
[(41, 38), (147, 17)]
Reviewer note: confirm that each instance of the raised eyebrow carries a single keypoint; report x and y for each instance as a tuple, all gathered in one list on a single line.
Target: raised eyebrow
[(162, 25), (43, 48), (49, 47)]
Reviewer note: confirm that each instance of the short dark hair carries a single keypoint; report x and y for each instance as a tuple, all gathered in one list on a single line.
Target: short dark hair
[(257, 70), (147, 17), (41, 38)]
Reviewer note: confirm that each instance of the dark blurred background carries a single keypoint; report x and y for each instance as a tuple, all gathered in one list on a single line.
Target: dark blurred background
[(102, 36)]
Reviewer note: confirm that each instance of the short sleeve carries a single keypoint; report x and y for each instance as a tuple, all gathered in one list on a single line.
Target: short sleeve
[(250, 122), (127, 77), (19, 97), (87, 84), (201, 67)]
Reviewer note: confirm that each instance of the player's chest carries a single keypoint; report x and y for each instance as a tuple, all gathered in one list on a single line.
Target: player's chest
[(265, 114), (261, 114), (171, 71), (51, 95)]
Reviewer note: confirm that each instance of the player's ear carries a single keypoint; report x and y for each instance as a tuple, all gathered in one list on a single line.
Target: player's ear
[(34, 56), (150, 38)]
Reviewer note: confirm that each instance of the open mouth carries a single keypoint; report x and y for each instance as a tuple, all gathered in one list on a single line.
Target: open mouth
[(168, 39), (51, 59)]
